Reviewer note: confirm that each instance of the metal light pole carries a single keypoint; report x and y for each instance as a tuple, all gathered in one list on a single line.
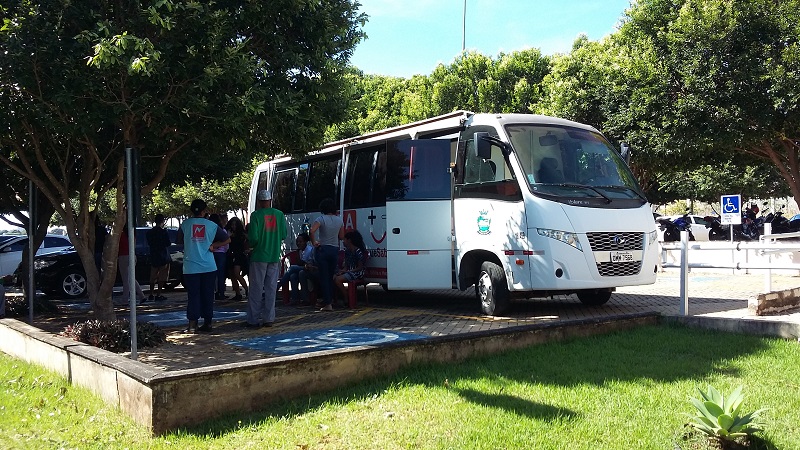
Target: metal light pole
[(31, 250), (131, 226), (464, 29)]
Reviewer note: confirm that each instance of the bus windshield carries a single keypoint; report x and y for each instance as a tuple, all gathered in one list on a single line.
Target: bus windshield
[(571, 162)]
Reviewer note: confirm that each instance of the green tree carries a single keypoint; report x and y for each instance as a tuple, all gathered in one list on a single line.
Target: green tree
[(185, 82), (516, 81), (463, 84), (714, 78)]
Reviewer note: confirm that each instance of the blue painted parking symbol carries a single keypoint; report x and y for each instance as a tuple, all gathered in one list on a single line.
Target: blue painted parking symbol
[(328, 339)]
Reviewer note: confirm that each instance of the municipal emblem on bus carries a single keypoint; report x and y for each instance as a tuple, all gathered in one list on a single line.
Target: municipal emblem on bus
[(484, 221)]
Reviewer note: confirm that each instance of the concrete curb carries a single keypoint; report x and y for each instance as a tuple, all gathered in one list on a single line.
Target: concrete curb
[(786, 330)]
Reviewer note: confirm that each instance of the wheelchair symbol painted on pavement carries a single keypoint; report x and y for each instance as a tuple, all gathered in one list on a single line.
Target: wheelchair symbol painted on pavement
[(329, 339)]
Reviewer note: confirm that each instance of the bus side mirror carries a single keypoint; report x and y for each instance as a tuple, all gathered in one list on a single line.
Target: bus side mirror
[(625, 152), (483, 146)]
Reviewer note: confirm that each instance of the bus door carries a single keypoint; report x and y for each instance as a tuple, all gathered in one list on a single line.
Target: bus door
[(418, 214)]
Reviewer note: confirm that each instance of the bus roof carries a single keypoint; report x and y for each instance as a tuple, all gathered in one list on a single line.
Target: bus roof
[(452, 121), (446, 124), (449, 124)]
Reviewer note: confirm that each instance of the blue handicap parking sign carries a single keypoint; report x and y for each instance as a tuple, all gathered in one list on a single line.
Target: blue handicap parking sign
[(731, 209), (731, 204)]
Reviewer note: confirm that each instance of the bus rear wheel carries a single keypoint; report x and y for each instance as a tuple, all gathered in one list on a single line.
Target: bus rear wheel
[(492, 290), (594, 297)]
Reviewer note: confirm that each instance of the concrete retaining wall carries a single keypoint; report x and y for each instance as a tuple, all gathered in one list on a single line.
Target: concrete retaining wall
[(164, 401), (774, 302), (785, 330)]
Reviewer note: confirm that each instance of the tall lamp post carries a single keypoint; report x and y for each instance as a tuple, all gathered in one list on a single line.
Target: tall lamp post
[(464, 29)]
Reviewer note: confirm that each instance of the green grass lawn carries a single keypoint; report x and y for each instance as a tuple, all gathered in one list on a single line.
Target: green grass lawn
[(627, 390)]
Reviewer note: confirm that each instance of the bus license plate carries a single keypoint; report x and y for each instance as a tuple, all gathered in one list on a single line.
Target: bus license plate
[(621, 256)]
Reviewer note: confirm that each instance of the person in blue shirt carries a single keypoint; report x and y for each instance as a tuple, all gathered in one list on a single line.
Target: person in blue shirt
[(294, 274), (200, 237)]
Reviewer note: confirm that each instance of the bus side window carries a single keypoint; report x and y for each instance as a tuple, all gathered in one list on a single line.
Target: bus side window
[(283, 194), (262, 181), (379, 178), (300, 188), (323, 182), (359, 178), (417, 169), (487, 178)]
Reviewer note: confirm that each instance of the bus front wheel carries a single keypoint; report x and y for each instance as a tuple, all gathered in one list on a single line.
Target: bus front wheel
[(492, 290), (594, 297)]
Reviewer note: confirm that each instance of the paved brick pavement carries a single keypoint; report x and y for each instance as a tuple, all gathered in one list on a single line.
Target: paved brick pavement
[(392, 316)]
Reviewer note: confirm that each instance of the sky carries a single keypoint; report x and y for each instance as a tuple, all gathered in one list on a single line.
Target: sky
[(409, 37)]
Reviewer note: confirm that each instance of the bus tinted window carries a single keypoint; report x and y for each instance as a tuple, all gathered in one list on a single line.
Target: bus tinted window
[(418, 170), (323, 182), (263, 177), (379, 179), (283, 193), (359, 178), (300, 188)]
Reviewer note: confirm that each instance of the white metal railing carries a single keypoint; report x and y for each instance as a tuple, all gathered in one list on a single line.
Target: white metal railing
[(767, 246)]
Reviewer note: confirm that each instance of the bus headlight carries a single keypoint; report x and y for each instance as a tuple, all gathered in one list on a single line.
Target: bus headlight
[(566, 237), (651, 237)]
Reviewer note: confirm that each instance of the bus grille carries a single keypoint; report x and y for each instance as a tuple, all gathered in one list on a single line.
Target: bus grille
[(604, 242), (619, 269)]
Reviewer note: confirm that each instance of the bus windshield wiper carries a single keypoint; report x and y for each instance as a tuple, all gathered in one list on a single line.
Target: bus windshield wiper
[(579, 186), (627, 188)]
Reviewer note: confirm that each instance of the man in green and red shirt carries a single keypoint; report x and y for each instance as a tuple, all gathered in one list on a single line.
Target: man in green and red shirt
[(266, 232)]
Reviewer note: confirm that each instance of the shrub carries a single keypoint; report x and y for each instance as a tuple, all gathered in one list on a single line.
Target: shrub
[(17, 306), (115, 335), (720, 417)]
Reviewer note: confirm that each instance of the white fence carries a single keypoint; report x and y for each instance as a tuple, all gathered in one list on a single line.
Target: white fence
[(765, 256)]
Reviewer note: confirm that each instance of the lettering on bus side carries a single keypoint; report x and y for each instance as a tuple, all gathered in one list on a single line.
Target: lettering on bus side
[(377, 253)]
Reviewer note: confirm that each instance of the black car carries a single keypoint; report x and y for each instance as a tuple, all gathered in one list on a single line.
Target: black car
[(61, 274)]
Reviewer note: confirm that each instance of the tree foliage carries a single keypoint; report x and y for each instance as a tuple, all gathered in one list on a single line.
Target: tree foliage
[(197, 84), (715, 77)]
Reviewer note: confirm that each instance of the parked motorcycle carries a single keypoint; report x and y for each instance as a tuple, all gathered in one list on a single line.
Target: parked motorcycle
[(672, 229), (719, 232), (779, 222), (716, 232)]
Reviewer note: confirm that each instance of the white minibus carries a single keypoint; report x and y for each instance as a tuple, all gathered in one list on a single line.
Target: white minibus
[(516, 205)]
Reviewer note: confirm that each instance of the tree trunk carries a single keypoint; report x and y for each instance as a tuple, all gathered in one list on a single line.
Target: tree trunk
[(786, 158)]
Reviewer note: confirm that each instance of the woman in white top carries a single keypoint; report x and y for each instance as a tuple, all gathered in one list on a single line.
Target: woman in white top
[(326, 232)]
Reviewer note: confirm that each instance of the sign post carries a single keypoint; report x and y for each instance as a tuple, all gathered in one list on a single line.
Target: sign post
[(731, 211)]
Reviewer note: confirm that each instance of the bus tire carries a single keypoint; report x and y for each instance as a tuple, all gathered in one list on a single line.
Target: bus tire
[(594, 297), (492, 290)]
